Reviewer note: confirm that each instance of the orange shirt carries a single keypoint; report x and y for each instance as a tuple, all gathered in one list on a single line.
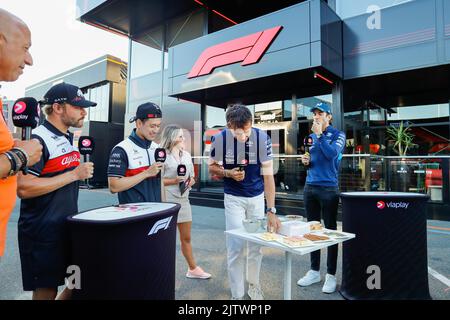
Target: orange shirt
[(8, 186)]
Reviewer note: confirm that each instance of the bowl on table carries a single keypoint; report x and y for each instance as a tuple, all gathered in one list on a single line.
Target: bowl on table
[(251, 225)]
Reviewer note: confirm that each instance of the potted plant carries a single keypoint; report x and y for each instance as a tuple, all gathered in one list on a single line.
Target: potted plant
[(403, 140)]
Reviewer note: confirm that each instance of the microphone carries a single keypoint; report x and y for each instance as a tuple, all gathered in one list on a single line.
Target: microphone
[(160, 155), (25, 115), (181, 170), (308, 142), (86, 147)]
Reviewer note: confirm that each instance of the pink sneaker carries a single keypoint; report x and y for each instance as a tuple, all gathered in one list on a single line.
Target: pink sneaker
[(198, 273)]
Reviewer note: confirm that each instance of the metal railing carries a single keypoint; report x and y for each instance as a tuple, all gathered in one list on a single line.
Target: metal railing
[(358, 172)]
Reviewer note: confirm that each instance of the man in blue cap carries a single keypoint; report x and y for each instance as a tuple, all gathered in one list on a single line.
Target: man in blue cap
[(321, 194)]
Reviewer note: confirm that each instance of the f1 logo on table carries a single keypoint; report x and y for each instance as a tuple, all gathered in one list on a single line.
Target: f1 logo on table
[(395, 205), (160, 224)]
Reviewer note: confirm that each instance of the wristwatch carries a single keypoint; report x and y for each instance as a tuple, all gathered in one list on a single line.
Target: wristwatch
[(271, 210)]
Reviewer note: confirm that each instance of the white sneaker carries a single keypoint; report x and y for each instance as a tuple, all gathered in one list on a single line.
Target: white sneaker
[(310, 278), (330, 284), (255, 292)]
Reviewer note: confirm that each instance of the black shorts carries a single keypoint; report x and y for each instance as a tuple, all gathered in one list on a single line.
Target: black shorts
[(44, 264)]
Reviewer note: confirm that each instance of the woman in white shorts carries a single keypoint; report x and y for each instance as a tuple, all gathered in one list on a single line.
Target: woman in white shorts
[(174, 142)]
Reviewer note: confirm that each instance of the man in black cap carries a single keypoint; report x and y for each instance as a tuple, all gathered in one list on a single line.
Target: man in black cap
[(133, 172), (49, 194)]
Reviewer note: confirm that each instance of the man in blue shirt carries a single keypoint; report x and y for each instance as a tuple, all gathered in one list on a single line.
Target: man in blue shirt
[(321, 194), (244, 188)]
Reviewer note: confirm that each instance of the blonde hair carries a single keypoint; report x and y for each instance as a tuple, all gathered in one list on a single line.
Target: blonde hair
[(169, 136), (48, 108)]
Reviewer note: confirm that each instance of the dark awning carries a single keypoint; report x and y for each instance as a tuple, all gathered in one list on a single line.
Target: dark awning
[(131, 17), (265, 59)]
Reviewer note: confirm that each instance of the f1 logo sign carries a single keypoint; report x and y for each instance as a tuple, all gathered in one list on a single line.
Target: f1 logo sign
[(160, 224), (248, 49)]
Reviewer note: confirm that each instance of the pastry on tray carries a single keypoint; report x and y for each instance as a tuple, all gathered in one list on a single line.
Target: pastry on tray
[(315, 237)]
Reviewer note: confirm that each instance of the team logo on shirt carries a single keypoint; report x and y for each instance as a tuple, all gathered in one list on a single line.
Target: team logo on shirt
[(67, 161)]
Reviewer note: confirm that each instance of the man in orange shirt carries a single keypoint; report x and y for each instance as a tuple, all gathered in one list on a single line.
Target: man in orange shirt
[(15, 155)]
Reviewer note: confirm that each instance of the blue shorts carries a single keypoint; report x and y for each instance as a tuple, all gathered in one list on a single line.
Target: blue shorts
[(44, 264)]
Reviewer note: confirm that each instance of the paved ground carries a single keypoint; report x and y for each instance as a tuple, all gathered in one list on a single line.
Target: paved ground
[(209, 249)]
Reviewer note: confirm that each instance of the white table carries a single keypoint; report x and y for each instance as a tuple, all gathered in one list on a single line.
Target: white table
[(244, 235)]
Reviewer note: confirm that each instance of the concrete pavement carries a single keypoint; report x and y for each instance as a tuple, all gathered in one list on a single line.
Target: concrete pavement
[(208, 242)]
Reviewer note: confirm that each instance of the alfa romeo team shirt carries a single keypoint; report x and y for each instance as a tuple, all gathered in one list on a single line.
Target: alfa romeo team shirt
[(129, 158), (43, 218)]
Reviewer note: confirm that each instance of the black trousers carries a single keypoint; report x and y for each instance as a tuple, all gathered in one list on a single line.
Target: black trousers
[(322, 202)]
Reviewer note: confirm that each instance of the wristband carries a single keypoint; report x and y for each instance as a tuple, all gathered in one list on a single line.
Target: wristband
[(13, 161), (23, 157)]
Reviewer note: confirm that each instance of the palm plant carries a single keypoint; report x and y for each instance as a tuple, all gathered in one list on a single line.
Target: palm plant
[(403, 138)]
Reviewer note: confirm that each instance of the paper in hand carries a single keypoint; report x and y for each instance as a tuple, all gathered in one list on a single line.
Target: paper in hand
[(184, 185)]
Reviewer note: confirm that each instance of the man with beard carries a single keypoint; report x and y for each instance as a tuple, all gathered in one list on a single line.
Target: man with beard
[(50, 194)]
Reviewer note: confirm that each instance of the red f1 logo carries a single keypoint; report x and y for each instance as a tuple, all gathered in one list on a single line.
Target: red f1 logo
[(248, 49)]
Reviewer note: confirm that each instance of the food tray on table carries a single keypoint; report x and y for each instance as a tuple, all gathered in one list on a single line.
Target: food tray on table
[(295, 242)]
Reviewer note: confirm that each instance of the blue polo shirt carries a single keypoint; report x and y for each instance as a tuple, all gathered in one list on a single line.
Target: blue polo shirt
[(227, 151), (326, 155)]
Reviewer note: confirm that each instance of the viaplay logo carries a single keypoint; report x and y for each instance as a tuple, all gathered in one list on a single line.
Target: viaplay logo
[(86, 143), (20, 107), (381, 205), (394, 205)]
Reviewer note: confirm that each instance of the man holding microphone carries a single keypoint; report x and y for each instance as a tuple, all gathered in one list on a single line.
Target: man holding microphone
[(321, 193), (15, 155), (49, 194), (133, 171)]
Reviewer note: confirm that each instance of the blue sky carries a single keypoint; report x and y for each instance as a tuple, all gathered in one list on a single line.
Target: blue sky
[(59, 42)]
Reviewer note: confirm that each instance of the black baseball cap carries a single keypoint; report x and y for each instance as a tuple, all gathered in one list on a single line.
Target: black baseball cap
[(147, 110), (67, 93)]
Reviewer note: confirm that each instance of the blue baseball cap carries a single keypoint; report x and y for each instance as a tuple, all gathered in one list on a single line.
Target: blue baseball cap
[(322, 106), (68, 93)]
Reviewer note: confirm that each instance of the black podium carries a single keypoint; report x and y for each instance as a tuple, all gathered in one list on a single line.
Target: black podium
[(388, 257), (125, 252)]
